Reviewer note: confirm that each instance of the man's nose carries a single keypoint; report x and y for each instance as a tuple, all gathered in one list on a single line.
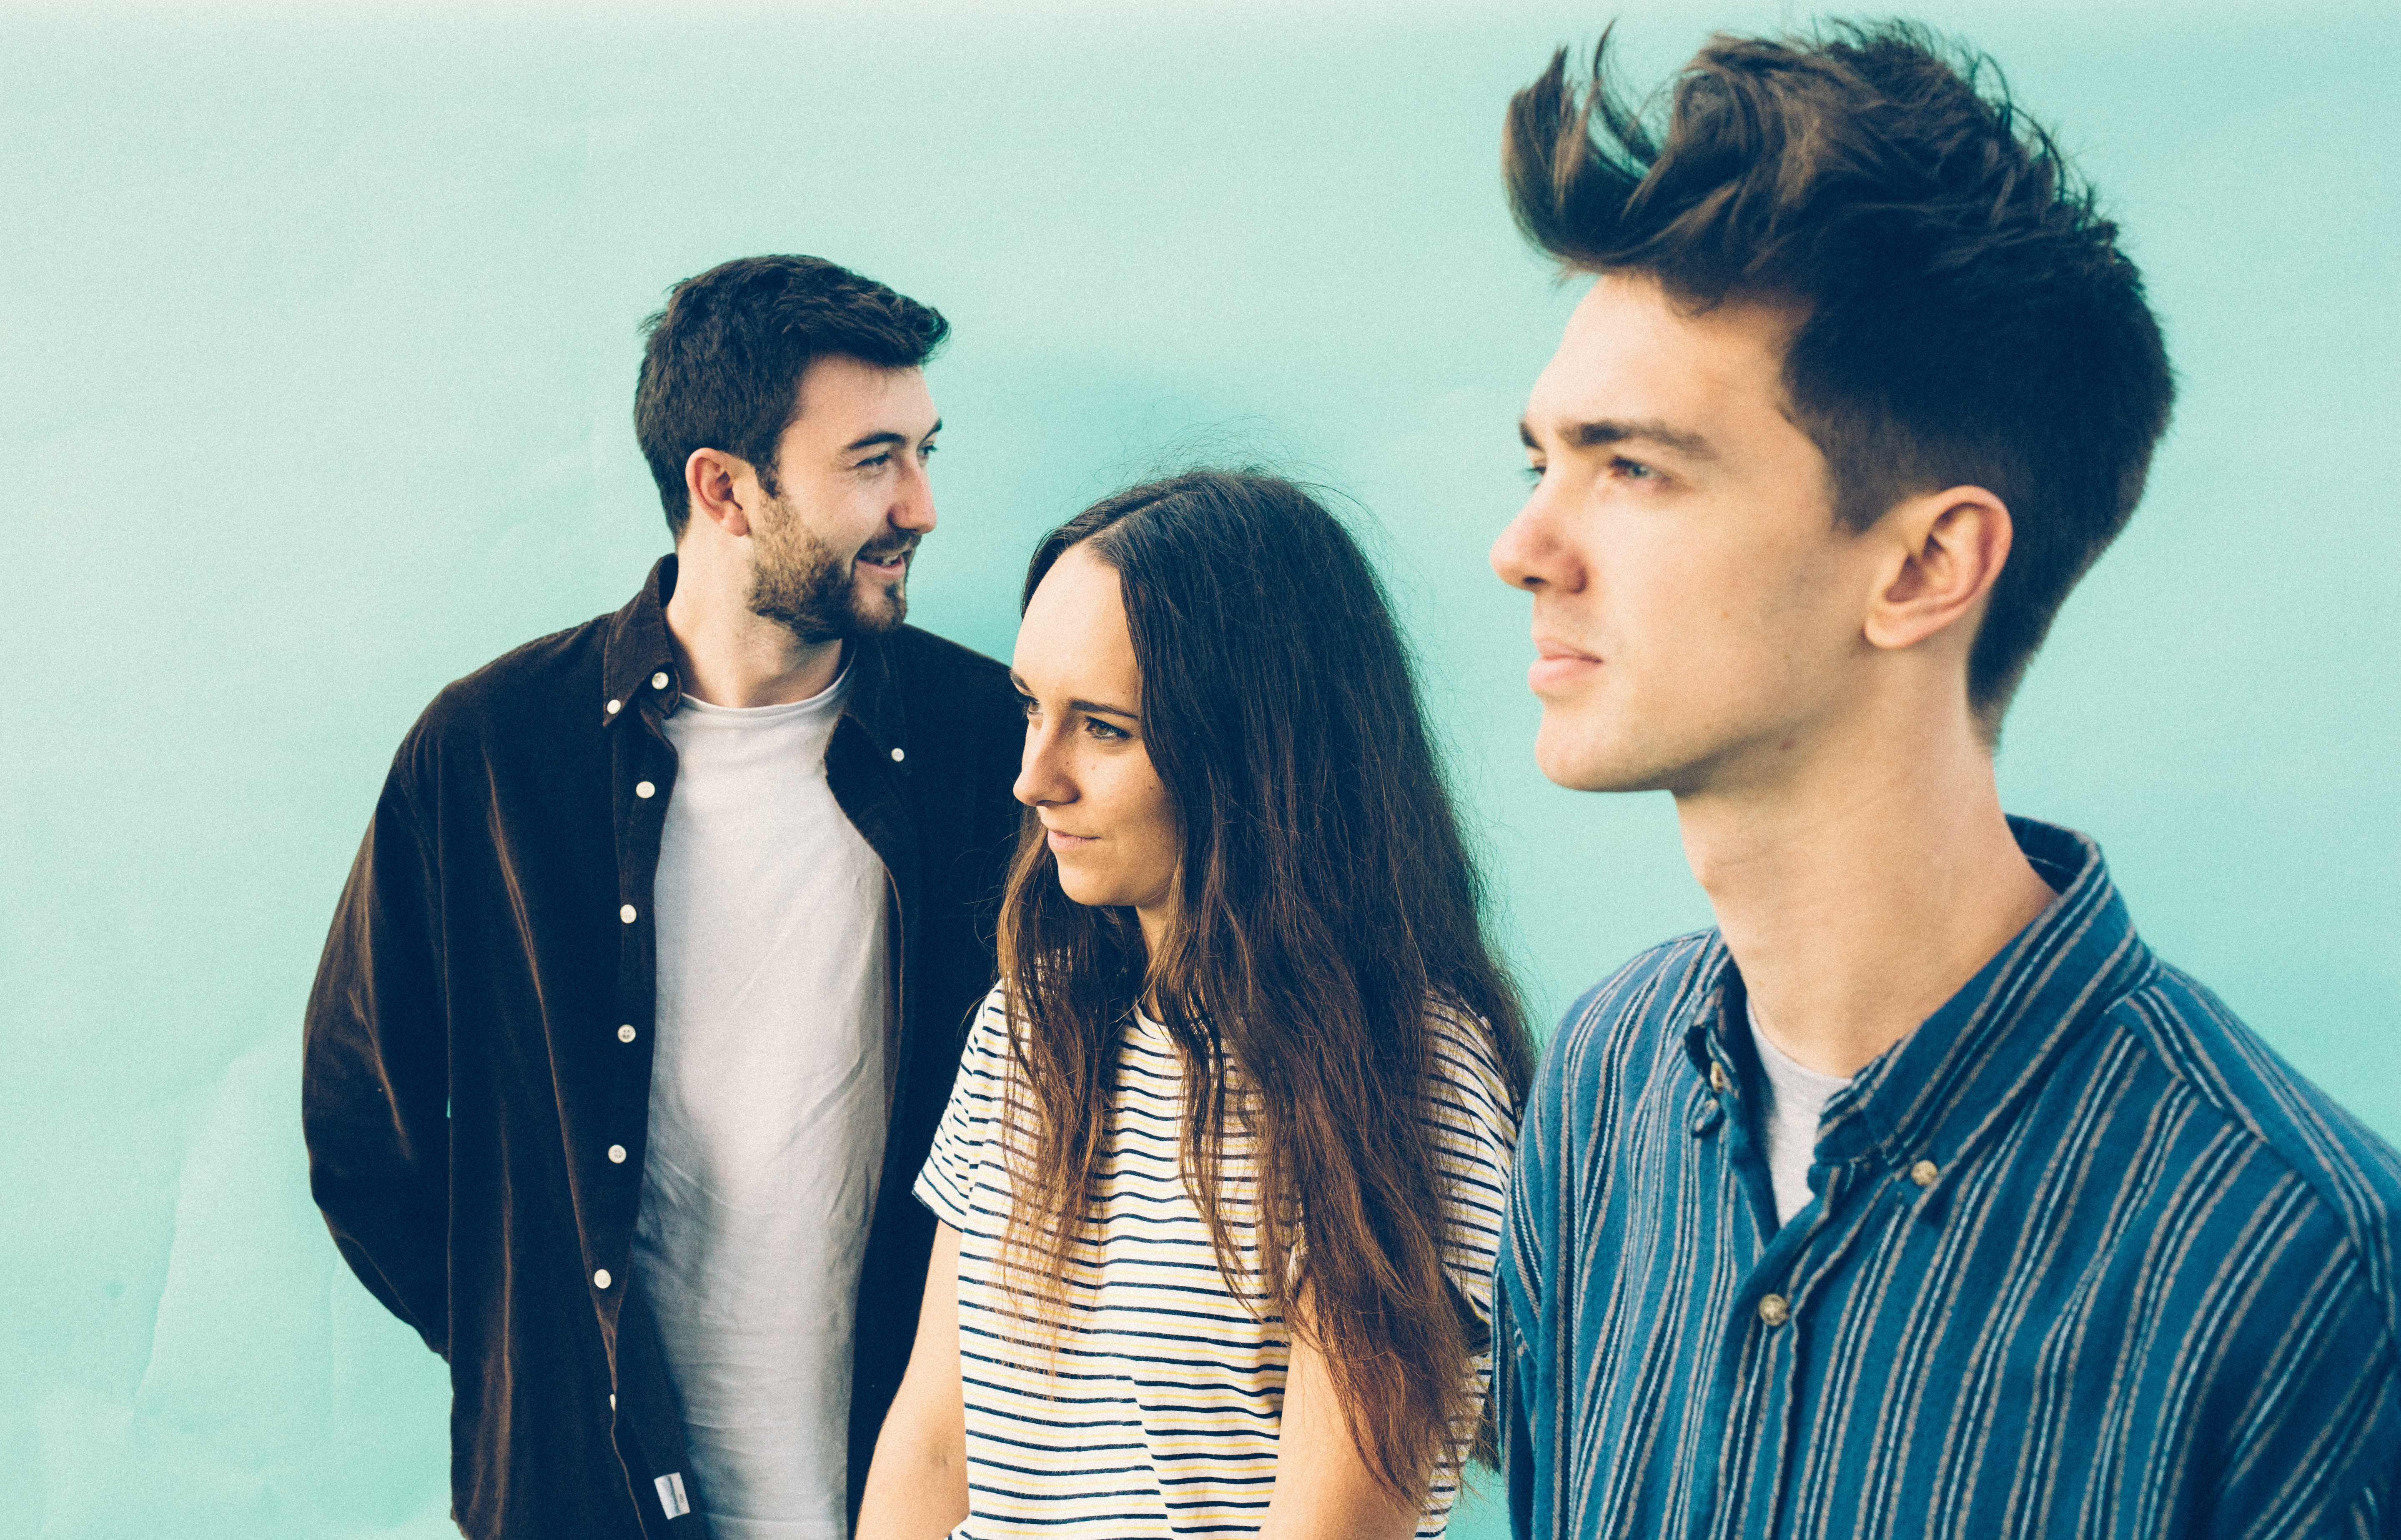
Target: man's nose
[(914, 509)]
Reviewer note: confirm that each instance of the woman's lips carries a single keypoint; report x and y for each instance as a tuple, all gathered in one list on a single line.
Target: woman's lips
[(1060, 841)]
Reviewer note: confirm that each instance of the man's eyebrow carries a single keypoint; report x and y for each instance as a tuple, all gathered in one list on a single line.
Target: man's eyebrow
[(1591, 435), (887, 437)]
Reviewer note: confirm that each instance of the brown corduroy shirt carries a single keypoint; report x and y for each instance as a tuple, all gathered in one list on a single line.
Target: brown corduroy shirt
[(480, 1034)]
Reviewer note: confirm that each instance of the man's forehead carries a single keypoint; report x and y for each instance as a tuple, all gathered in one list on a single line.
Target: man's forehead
[(1630, 355), (842, 392)]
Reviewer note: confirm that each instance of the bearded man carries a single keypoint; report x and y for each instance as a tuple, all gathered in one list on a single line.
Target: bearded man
[(644, 993)]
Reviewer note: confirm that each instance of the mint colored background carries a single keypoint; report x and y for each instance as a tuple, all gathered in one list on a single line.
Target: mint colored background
[(319, 341)]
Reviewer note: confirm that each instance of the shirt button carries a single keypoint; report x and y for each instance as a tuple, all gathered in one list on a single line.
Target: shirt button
[(600, 1280), (899, 754), (617, 1154), (626, 1033), (658, 682), (626, 912), (644, 788), (615, 707), (1924, 1173), (1772, 1310), (1717, 1077)]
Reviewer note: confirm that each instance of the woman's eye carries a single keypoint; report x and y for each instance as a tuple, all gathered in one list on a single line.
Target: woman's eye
[(1104, 731), (1028, 705), (1533, 474)]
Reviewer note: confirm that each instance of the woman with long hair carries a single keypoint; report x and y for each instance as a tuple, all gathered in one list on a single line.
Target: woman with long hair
[(1221, 1181)]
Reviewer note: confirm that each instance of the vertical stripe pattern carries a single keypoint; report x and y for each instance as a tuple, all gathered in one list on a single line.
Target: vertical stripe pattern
[(2085, 1260), (1152, 1408)]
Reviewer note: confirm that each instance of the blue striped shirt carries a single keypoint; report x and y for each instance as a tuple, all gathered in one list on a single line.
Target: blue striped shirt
[(2085, 1260)]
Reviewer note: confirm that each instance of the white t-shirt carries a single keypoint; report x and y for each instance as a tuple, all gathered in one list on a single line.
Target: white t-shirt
[(1794, 1097), (1153, 1410), (767, 1111)]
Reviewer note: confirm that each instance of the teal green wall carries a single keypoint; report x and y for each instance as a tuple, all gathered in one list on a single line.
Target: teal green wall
[(320, 344)]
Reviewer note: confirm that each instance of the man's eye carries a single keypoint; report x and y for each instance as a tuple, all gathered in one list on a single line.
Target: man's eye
[(927, 451), (1533, 474), (1633, 470), (1027, 704)]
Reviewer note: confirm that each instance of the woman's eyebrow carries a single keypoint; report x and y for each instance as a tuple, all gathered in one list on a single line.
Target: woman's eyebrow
[(1090, 708)]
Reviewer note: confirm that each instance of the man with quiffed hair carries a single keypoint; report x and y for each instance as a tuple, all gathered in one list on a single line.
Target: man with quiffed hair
[(1918, 1197), (647, 988)]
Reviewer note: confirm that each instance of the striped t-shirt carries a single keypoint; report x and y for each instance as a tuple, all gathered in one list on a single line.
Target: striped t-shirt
[(1151, 1408)]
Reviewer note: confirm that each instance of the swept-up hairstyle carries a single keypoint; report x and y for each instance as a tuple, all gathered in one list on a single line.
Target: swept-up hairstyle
[(1326, 901), (1965, 314), (722, 365)]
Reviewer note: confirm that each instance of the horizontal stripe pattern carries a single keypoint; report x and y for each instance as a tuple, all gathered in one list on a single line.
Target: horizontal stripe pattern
[(1153, 1409), (2086, 1260)]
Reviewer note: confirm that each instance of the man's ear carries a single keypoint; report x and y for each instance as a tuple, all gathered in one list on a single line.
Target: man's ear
[(722, 488), (1943, 552)]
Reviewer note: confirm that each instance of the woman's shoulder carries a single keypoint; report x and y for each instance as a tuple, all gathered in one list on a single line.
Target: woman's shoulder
[(1466, 1074)]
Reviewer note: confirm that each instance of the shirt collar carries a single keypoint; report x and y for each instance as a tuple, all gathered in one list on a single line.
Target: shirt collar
[(637, 657), (1933, 1095), (637, 667)]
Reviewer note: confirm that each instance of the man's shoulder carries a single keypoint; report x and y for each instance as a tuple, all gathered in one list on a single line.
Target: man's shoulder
[(527, 691), (1627, 1018), (942, 680), (2353, 1174), (1650, 990), (935, 660)]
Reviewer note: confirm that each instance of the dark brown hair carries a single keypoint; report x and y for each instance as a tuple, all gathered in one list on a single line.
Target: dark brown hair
[(1966, 315), (721, 368), (1327, 903)]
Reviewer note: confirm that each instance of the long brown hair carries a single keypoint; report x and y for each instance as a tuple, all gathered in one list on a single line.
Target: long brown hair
[(1327, 902)]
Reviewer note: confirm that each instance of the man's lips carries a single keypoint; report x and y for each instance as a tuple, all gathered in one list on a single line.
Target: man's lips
[(891, 559), (1558, 664)]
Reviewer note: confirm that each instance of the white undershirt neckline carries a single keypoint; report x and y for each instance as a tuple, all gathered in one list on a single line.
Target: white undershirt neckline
[(1792, 1100)]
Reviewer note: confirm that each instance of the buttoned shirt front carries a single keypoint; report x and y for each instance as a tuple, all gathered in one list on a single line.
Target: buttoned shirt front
[(2085, 1260), (477, 1049)]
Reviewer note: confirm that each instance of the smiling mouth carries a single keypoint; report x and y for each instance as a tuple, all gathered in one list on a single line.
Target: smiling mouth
[(897, 556)]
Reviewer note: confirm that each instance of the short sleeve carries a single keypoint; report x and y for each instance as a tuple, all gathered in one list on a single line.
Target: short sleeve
[(1475, 1137), (948, 1182)]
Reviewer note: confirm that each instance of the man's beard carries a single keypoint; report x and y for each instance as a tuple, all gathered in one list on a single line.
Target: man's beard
[(806, 585)]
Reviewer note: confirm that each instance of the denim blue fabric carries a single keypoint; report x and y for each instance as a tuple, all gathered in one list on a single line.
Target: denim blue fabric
[(2085, 1258)]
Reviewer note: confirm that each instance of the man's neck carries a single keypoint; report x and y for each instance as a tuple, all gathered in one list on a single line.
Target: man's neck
[(1859, 894), (730, 655)]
